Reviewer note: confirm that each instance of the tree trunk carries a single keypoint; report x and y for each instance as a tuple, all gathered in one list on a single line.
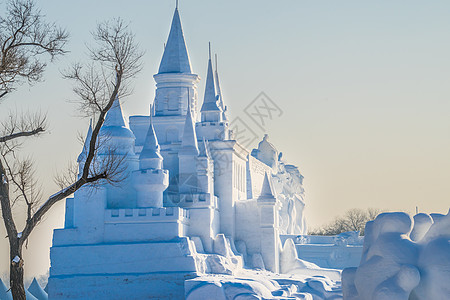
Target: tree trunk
[(16, 272), (15, 244)]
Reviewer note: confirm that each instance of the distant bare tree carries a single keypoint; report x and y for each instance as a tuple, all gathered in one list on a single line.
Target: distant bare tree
[(353, 220), (114, 59), (24, 38)]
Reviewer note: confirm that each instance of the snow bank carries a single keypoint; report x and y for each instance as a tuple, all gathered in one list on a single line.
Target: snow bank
[(252, 284), (403, 258)]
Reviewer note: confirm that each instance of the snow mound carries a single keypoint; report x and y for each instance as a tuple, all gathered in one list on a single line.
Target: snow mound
[(403, 258), (291, 264), (258, 284)]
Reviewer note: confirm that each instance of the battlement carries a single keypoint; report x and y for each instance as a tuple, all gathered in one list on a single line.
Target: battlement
[(202, 124), (146, 215), (154, 171), (192, 200)]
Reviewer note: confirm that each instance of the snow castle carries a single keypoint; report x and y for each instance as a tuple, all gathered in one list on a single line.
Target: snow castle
[(193, 201)]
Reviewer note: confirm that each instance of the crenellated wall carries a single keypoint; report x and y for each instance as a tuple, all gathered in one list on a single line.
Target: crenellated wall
[(145, 224)]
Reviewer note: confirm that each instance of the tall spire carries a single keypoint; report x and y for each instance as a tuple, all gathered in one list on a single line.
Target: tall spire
[(219, 93), (175, 58), (210, 100), (189, 141), (150, 156), (114, 117)]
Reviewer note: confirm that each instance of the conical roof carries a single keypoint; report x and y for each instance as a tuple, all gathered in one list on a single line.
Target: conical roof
[(219, 91), (189, 141), (151, 151), (175, 58), (267, 189), (114, 117), (29, 296), (210, 99), (36, 290), (87, 141), (114, 125)]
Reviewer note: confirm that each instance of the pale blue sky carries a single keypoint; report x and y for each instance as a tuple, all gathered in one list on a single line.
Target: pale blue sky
[(363, 86)]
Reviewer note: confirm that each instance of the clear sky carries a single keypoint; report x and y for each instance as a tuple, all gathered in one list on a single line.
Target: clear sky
[(363, 86)]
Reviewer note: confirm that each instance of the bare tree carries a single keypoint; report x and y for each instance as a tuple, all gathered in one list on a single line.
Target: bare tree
[(114, 60), (353, 220), (24, 38)]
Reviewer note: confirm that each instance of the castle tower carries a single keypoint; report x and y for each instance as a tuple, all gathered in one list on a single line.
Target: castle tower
[(213, 126), (269, 225), (175, 83), (114, 135), (116, 142), (150, 180)]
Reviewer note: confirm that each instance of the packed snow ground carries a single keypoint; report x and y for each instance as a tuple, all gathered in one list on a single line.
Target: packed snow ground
[(259, 284)]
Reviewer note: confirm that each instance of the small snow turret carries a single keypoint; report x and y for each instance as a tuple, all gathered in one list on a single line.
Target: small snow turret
[(150, 157), (114, 135), (150, 181), (211, 111), (114, 117), (175, 58), (267, 191), (214, 124)]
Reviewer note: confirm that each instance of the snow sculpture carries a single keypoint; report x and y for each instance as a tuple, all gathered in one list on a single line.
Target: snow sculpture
[(193, 200), (291, 264), (5, 293), (403, 258), (36, 290)]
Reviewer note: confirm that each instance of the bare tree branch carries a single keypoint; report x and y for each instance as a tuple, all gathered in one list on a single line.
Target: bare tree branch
[(24, 38), (353, 220), (115, 58)]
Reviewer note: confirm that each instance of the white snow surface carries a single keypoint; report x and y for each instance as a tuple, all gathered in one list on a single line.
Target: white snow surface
[(299, 280), (404, 258), (260, 284)]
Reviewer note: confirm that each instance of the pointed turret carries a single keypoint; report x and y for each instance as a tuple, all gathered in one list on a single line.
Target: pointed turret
[(150, 157), (267, 189), (175, 58), (189, 143), (87, 141), (114, 134), (219, 94), (210, 100), (114, 117), (36, 290)]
